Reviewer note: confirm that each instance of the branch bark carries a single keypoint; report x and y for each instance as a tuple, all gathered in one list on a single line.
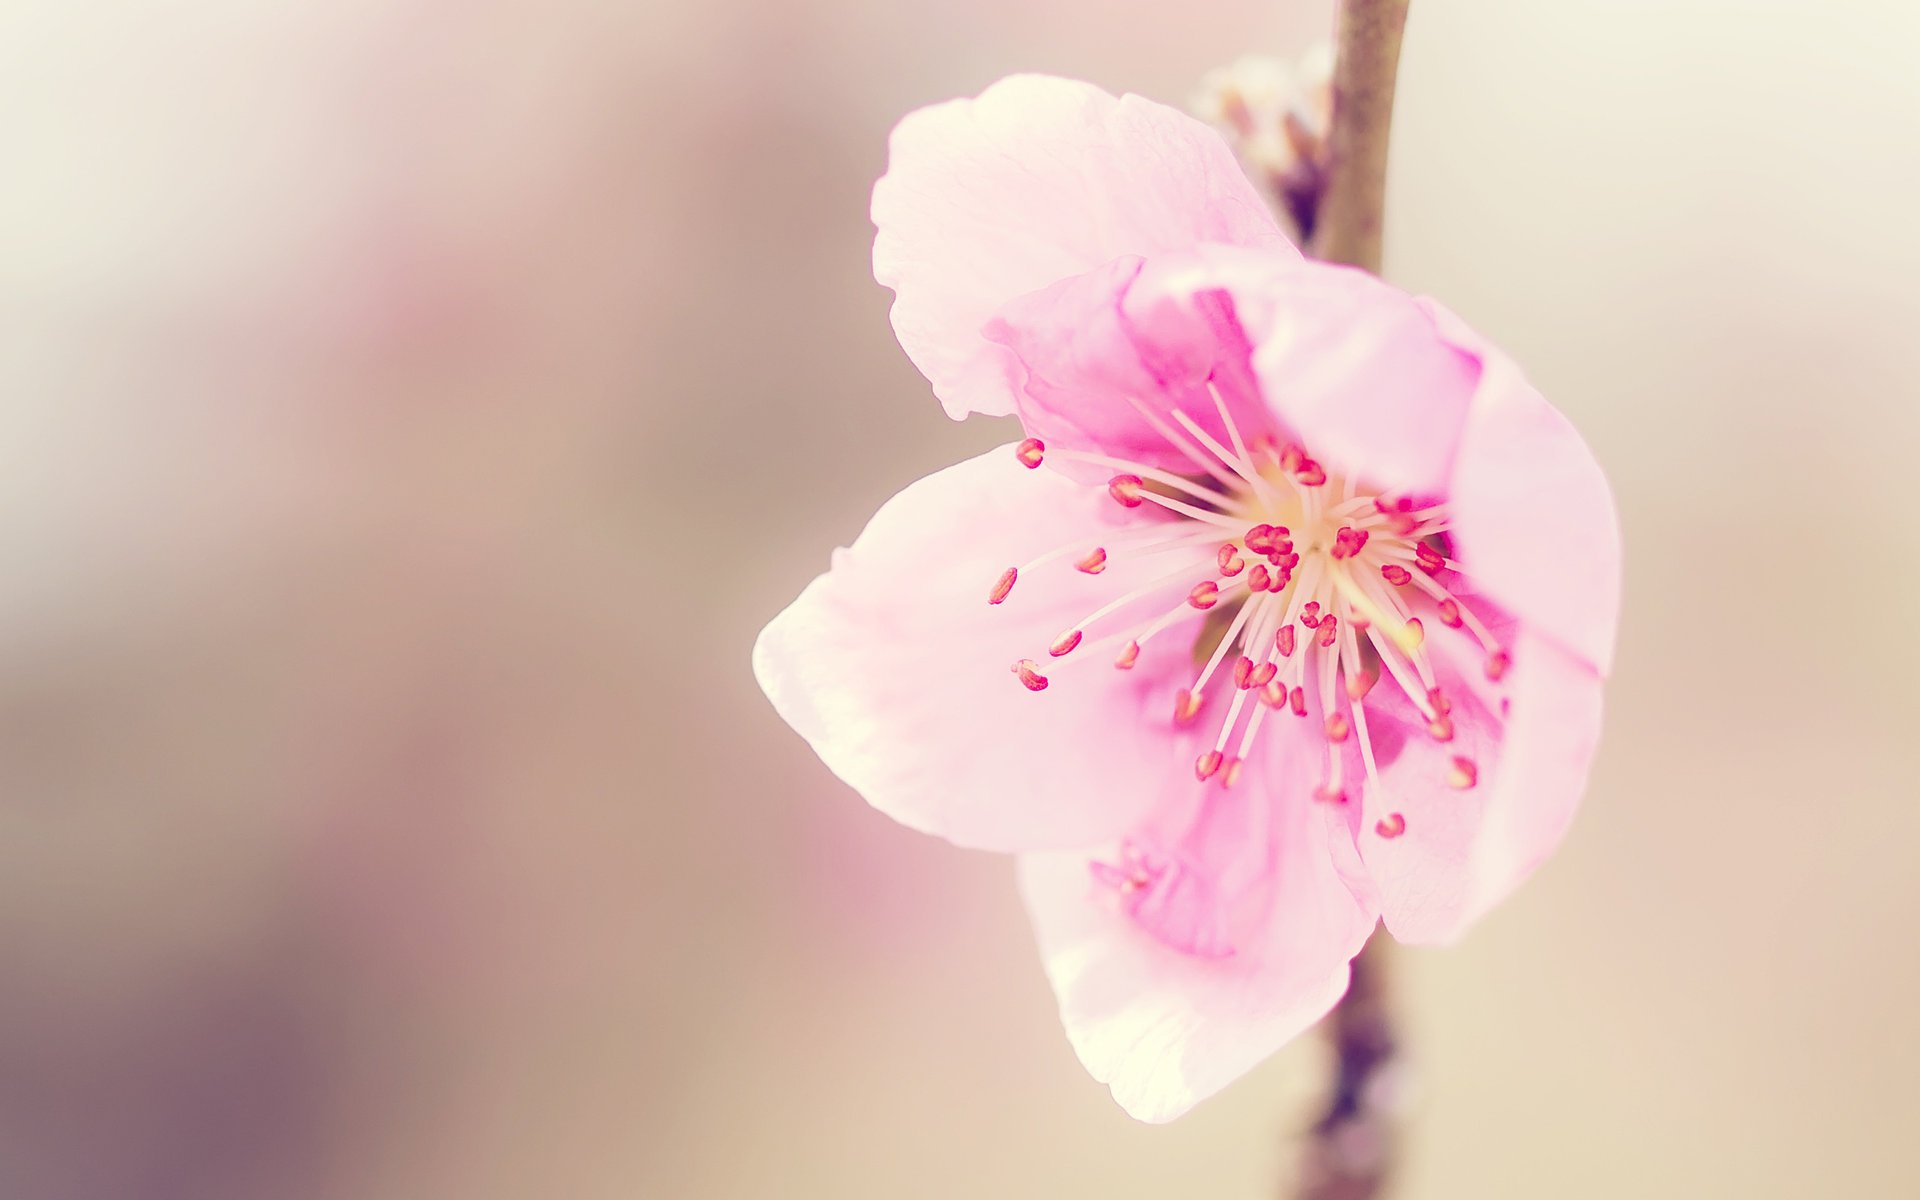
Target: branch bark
[(1348, 226)]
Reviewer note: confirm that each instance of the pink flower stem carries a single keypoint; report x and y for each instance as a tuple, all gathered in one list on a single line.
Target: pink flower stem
[(1350, 1153)]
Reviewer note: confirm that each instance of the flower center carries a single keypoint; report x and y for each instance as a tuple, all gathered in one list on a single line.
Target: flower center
[(1300, 592)]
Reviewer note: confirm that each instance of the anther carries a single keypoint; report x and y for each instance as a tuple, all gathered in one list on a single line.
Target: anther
[(1263, 674), (1390, 826), (1429, 559), (1348, 542), (1328, 794), (1126, 489), (1441, 728), (1264, 538), (1231, 563), (1311, 474), (1497, 664), (1274, 694), (1450, 614), (1029, 673), (1338, 727), (1397, 575), (1204, 595), (1298, 702), (1230, 772), (1437, 700), (1031, 453), (1129, 654), (1064, 644), (1243, 673), (1207, 764), (1329, 629), (1095, 562), (1259, 578), (1003, 585), (1186, 706), (1464, 774), (1359, 683), (1283, 641), (1310, 614), (1416, 633)]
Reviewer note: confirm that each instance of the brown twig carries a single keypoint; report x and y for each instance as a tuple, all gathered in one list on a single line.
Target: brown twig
[(1347, 227), (1350, 1153)]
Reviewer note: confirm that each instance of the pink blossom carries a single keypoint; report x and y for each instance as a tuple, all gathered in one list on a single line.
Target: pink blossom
[(1288, 615)]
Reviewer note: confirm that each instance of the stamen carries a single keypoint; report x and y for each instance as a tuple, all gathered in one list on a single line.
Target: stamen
[(1359, 683), (1064, 644), (1230, 562), (1003, 585), (1234, 462), (1129, 654), (1396, 574), (1093, 563), (1464, 773), (1181, 444), (1029, 673), (1391, 826), (1207, 764), (1186, 705), (1497, 664), (1283, 641), (1031, 453), (1204, 595), (1126, 489), (1168, 478)]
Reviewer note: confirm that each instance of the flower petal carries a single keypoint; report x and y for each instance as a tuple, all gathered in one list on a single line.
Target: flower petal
[(1035, 180), (895, 667), (1164, 1028), (1328, 356), (1357, 368), (1107, 359), (1463, 850), (1532, 514)]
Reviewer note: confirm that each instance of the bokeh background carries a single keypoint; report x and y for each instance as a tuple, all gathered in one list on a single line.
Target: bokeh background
[(411, 411)]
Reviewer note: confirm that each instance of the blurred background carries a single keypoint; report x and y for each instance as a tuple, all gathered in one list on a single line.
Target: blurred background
[(413, 409)]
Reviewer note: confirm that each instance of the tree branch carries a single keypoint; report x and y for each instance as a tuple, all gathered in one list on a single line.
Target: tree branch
[(1348, 226)]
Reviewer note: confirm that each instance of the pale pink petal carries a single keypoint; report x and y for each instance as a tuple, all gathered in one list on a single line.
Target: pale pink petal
[(1328, 356), (896, 668), (1036, 180), (1533, 517), (1464, 849), (1108, 358), (1166, 1027), (1358, 369)]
